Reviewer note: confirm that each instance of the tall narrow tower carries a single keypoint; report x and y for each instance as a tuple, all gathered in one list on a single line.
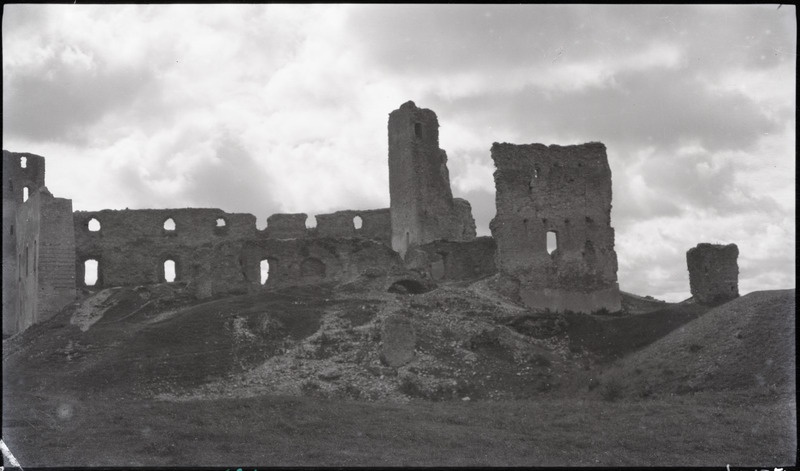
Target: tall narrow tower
[(23, 174), (422, 205)]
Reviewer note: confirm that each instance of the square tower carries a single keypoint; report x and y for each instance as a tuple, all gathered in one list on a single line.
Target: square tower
[(713, 272), (422, 205), (555, 243)]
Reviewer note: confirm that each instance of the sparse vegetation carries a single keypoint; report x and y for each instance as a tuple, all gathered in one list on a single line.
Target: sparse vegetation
[(205, 391)]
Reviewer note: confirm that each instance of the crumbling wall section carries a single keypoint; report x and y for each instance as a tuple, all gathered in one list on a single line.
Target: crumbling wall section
[(454, 261), (46, 276), (422, 205), (565, 191), (131, 247), (713, 272), (292, 262), (16, 178), (286, 226), (376, 224)]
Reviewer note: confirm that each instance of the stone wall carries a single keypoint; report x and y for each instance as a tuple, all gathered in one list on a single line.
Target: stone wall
[(713, 272), (46, 246), (453, 261), (15, 179), (376, 224), (422, 205), (311, 260), (132, 246), (565, 191), (215, 252)]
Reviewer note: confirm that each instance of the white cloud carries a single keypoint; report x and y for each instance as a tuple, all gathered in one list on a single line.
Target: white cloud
[(267, 108)]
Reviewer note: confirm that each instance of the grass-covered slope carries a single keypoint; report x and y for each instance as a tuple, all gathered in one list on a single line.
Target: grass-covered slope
[(747, 343)]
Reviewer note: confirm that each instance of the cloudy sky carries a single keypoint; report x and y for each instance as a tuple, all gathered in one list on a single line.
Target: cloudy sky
[(283, 108)]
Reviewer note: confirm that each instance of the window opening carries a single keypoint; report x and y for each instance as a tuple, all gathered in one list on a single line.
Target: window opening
[(93, 225), (552, 242), (26, 260), (264, 271), (220, 222), (25, 194), (23, 162), (169, 225), (311, 222), (357, 222), (169, 271), (418, 129), (12, 229), (90, 270)]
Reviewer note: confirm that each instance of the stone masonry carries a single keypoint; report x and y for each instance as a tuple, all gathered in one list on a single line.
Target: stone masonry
[(565, 191), (20, 171), (713, 273), (422, 205), (46, 258)]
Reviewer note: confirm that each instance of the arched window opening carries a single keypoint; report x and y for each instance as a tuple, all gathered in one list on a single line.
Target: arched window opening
[(221, 222), (23, 162), (169, 225), (264, 271), (90, 268), (552, 242), (93, 225), (25, 194), (169, 271), (418, 129), (357, 222), (311, 222)]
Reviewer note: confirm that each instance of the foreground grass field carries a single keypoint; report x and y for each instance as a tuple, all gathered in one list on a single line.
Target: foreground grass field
[(696, 430), (149, 376)]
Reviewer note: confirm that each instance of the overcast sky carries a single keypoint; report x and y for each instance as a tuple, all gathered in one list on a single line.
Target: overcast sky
[(283, 108)]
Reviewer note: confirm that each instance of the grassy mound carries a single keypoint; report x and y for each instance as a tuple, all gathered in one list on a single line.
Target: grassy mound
[(747, 343)]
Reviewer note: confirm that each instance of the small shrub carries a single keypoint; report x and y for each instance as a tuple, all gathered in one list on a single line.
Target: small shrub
[(310, 387), (410, 386), (541, 360), (611, 388), (351, 391)]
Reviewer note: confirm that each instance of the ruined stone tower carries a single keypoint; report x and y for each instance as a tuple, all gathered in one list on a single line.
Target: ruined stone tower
[(20, 171), (422, 205), (566, 192), (713, 272), (38, 245)]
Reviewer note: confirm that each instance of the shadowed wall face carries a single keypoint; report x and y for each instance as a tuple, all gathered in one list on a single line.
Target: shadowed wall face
[(20, 171), (45, 239), (554, 238), (713, 272), (422, 206)]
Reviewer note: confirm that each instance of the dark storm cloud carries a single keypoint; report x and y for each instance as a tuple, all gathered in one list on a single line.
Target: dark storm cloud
[(643, 108), (233, 181), (57, 101), (450, 38)]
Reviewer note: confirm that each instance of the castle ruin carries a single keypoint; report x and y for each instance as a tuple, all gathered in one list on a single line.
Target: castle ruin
[(552, 243), (564, 194), (713, 272)]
